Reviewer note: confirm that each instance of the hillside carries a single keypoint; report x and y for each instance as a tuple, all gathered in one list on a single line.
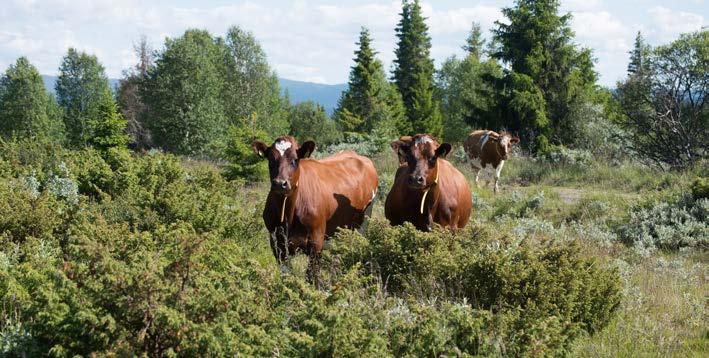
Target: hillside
[(299, 91)]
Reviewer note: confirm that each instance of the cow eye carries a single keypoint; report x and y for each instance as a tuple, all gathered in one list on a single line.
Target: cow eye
[(293, 163)]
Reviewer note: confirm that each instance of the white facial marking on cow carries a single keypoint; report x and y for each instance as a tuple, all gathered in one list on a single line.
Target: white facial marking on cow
[(282, 146), (424, 139), (486, 136), (504, 141)]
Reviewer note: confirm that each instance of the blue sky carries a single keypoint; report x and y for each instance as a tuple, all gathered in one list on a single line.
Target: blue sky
[(314, 40)]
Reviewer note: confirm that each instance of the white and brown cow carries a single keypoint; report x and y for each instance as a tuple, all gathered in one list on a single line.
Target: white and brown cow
[(485, 147)]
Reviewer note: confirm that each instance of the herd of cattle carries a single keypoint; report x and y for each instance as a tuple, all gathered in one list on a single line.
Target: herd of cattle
[(309, 199)]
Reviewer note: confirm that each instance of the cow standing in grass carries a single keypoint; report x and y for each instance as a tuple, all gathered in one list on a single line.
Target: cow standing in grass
[(427, 188), (485, 147), (309, 199)]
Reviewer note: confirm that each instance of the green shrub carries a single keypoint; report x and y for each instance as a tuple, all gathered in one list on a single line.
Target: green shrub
[(700, 188), (543, 284), (560, 155), (669, 225)]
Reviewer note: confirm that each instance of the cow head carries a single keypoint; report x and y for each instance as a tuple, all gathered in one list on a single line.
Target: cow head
[(420, 153), (283, 158), (504, 143)]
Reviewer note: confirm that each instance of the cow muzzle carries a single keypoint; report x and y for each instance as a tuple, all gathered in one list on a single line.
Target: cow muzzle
[(280, 186), (417, 181)]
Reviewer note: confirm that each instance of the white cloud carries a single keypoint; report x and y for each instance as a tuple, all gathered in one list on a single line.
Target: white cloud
[(304, 40), (668, 23)]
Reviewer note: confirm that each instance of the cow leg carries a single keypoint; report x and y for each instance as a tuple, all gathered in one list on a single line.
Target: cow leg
[(498, 170), (317, 241), (279, 246), (476, 165)]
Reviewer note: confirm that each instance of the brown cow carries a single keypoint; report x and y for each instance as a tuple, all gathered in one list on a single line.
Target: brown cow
[(487, 147), (309, 199), (427, 188)]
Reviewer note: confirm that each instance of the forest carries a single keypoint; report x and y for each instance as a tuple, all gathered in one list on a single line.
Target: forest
[(130, 217)]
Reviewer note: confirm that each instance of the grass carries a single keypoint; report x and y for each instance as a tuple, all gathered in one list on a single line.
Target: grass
[(666, 300)]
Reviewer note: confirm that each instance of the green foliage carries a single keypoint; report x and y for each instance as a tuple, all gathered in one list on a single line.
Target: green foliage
[(700, 188), (639, 56), (81, 89), (669, 225), (182, 92), (560, 155), (546, 290), (549, 75), (369, 102), (664, 101), (309, 121), (243, 162), (413, 72), (467, 96), (26, 109), (251, 87), (109, 127)]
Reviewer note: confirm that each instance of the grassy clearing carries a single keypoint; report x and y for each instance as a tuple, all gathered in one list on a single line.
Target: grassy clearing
[(665, 306)]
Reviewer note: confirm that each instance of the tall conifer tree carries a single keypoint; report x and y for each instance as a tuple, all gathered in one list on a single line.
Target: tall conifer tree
[(26, 109), (369, 102), (413, 72)]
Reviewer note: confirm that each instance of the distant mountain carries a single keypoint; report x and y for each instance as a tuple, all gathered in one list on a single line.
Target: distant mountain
[(326, 95), (49, 82), (299, 91)]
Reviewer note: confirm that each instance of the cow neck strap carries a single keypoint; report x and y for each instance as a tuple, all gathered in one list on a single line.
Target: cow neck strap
[(283, 208), (425, 192)]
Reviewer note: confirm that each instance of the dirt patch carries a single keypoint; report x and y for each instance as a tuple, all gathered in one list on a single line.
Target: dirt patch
[(569, 195)]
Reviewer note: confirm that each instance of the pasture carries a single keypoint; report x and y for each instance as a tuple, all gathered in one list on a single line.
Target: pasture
[(159, 254)]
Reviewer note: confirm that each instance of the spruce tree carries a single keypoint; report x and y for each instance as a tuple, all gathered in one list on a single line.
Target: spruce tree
[(109, 126), (639, 56), (413, 71), (549, 76), (26, 109), (368, 103), (474, 43), (80, 88)]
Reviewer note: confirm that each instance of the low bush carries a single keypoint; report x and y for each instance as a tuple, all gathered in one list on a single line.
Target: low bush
[(545, 284), (669, 225), (560, 155), (159, 258)]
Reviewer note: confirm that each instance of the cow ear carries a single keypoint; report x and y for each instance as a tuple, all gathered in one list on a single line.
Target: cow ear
[(306, 149), (443, 150), (259, 148), (514, 140), (400, 147)]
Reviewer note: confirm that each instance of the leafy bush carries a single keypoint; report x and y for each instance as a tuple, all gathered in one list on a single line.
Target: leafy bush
[(367, 145), (161, 258), (544, 285), (700, 188), (673, 225), (243, 162), (561, 155)]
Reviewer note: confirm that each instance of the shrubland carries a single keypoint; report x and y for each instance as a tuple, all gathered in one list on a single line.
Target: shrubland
[(160, 255)]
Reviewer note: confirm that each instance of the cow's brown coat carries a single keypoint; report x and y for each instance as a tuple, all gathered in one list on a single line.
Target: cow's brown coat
[(448, 201), (487, 147), (320, 196)]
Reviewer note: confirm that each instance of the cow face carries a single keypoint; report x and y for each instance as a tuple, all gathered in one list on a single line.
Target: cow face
[(420, 153), (504, 145), (283, 158)]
